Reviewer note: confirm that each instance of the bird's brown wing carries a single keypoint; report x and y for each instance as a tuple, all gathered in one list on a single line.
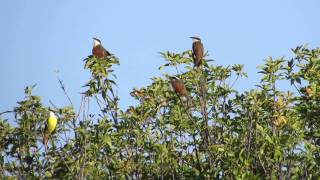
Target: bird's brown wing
[(180, 88), (197, 49), (100, 52)]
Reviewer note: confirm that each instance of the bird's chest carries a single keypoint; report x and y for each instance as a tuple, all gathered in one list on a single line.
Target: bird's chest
[(99, 51)]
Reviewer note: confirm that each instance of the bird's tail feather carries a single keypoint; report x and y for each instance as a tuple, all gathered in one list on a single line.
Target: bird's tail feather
[(46, 140), (189, 102)]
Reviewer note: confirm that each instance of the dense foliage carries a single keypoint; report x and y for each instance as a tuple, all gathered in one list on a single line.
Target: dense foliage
[(261, 133)]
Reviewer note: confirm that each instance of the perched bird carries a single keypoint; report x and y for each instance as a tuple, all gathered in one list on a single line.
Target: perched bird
[(179, 86), (50, 127), (197, 51), (98, 50), (181, 90)]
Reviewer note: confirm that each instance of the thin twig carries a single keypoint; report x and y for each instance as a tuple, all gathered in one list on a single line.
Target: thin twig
[(65, 91), (6, 112)]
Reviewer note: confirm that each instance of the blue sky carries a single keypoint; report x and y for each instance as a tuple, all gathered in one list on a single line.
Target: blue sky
[(39, 37)]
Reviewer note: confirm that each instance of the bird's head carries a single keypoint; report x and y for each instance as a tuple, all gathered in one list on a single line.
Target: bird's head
[(52, 114), (195, 39), (174, 78), (96, 42)]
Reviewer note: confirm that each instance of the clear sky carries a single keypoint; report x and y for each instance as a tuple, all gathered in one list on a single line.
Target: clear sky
[(38, 37)]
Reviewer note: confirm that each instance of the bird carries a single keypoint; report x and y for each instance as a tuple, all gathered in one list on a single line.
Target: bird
[(50, 127), (98, 50), (197, 51), (179, 86)]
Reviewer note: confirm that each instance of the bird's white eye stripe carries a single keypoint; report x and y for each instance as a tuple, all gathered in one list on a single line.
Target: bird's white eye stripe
[(174, 78)]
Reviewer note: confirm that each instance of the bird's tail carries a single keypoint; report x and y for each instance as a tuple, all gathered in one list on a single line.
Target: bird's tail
[(46, 140), (189, 102)]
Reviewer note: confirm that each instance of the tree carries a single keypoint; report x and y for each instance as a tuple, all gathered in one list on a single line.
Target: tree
[(261, 133)]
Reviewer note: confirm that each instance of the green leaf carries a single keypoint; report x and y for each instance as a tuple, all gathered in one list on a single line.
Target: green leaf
[(107, 140)]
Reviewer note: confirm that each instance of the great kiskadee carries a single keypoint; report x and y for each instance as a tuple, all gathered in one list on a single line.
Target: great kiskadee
[(197, 51), (179, 86), (98, 50), (50, 127)]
